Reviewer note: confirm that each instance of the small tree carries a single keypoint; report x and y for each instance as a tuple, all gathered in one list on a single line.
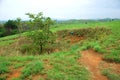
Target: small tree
[(40, 26)]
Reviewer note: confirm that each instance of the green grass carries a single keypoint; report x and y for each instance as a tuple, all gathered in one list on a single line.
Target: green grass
[(114, 56), (16, 79), (110, 74), (72, 25), (18, 58), (64, 73), (32, 68), (19, 65), (64, 65), (6, 43), (4, 67), (7, 38)]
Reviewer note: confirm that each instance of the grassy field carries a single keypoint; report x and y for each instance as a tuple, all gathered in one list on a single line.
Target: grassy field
[(63, 64)]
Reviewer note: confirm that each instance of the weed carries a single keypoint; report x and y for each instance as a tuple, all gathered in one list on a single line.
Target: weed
[(32, 69), (18, 65), (114, 56), (4, 67), (27, 48), (85, 47), (64, 64), (6, 43), (67, 68), (3, 77), (16, 79), (111, 75), (68, 73), (20, 58)]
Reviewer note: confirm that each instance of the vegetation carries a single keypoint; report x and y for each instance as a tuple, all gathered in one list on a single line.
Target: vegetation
[(10, 27), (32, 68), (42, 36), (110, 74), (64, 41), (2, 31), (4, 67)]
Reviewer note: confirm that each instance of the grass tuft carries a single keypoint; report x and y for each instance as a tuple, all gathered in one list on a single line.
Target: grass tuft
[(32, 68)]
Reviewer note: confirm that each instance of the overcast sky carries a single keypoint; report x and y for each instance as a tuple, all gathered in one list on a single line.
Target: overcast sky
[(60, 9)]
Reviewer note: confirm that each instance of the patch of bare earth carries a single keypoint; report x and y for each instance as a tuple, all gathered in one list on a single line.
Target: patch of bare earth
[(92, 60), (74, 39), (48, 66), (14, 74), (71, 38), (114, 66)]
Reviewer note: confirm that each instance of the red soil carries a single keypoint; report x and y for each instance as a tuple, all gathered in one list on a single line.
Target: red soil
[(73, 39), (92, 60), (14, 74)]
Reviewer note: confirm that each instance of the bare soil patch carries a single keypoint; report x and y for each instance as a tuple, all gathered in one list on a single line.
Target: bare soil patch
[(47, 64), (95, 63), (92, 60), (74, 39), (14, 74), (70, 38), (114, 66)]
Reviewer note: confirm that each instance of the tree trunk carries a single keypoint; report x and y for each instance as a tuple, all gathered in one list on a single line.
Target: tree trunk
[(41, 48)]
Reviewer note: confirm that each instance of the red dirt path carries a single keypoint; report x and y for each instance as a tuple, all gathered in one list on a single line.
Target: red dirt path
[(92, 60)]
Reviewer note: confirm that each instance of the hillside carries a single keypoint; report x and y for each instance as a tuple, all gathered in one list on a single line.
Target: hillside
[(87, 50)]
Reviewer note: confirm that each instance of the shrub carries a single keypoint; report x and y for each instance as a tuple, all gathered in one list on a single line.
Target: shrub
[(42, 36)]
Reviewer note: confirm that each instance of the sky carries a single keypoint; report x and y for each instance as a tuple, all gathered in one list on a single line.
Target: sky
[(60, 9)]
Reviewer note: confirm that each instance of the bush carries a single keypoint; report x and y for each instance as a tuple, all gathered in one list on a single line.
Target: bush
[(41, 34)]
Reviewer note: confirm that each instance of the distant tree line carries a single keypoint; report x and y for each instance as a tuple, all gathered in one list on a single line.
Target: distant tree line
[(13, 27)]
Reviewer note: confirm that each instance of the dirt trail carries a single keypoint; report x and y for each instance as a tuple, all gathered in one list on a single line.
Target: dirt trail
[(14, 74), (92, 60)]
